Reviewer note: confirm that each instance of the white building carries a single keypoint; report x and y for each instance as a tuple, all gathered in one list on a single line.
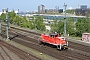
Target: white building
[(48, 28), (0, 13)]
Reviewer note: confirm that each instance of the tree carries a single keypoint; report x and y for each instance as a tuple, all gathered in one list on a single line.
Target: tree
[(15, 20), (11, 16), (82, 26), (3, 16), (38, 23), (88, 26), (70, 11), (57, 26), (60, 27), (23, 21), (70, 26), (31, 25), (54, 27), (31, 22)]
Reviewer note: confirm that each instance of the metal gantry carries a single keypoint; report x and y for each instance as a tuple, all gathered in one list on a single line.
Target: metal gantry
[(65, 5)]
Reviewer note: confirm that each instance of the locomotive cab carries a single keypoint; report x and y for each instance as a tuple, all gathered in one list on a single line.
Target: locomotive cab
[(54, 35)]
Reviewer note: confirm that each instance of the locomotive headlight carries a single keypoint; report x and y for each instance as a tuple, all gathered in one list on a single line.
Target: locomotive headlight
[(65, 47)]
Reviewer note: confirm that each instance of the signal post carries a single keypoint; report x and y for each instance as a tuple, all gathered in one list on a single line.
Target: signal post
[(65, 5), (7, 23)]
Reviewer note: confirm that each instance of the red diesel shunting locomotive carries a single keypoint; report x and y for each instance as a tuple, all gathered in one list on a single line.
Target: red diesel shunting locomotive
[(54, 39)]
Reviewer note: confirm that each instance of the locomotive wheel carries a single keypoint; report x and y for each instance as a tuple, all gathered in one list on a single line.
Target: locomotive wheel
[(58, 48)]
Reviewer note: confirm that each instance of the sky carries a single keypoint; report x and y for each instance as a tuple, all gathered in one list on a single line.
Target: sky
[(32, 5)]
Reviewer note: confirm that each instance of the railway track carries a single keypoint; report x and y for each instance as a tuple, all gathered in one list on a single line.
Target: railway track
[(79, 47), (20, 53), (2, 57), (32, 43), (4, 45)]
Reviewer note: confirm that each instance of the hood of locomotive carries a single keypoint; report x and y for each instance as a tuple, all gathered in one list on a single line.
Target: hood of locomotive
[(62, 40)]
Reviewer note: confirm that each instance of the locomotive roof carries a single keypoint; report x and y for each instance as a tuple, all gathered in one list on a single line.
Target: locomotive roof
[(53, 34)]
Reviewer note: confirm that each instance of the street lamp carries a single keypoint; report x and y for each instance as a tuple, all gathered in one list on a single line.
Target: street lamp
[(65, 5)]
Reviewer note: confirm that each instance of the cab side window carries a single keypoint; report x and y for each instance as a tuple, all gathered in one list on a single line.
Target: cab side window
[(51, 36)]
